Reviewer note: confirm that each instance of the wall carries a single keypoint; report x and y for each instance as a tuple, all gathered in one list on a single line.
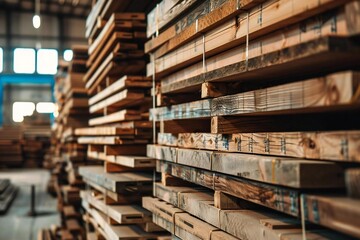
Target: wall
[(23, 92), (57, 32)]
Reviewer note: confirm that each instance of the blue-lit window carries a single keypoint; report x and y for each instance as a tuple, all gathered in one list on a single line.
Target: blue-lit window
[(47, 61), (24, 60), (1, 60)]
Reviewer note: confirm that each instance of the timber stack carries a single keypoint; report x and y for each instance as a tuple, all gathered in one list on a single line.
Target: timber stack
[(72, 100), (119, 126), (36, 141), (258, 106), (11, 154)]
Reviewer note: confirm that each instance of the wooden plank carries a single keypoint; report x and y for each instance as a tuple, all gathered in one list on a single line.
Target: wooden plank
[(310, 121), (338, 213), (134, 161), (312, 93), (115, 182), (278, 14), (161, 152), (111, 140), (103, 131), (120, 116), (309, 93), (352, 178), (125, 98), (329, 145), (280, 171), (295, 173), (187, 226), (121, 84)]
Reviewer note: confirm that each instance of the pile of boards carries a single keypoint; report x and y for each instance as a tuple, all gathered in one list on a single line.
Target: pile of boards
[(36, 144), (119, 131), (73, 112), (258, 106), (7, 194), (11, 146)]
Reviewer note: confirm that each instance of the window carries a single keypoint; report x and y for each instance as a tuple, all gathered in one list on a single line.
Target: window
[(21, 109), (45, 107), (47, 61), (68, 55), (24, 60), (1, 60)]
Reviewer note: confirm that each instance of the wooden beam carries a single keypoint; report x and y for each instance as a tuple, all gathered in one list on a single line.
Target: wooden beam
[(289, 96), (120, 116), (330, 145), (295, 173), (121, 84), (352, 177), (338, 213)]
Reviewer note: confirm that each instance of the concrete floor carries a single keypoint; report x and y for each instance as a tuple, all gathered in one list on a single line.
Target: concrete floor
[(15, 224)]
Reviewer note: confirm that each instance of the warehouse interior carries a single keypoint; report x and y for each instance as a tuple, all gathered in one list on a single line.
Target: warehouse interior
[(179, 119)]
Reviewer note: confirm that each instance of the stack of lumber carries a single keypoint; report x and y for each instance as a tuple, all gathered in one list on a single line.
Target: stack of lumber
[(66, 182), (7, 194), (36, 143), (258, 106), (103, 9), (55, 232), (10, 146), (119, 131)]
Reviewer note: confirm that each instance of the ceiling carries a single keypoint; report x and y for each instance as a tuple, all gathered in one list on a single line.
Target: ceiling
[(73, 8)]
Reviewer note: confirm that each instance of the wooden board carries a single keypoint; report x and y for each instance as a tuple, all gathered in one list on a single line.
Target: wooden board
[(111, 140), (121, 84), (313, 93), (115, 182), (295, 173), (125, 98), (104, 131), (338, 213), (120, 116), (330, 145)]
